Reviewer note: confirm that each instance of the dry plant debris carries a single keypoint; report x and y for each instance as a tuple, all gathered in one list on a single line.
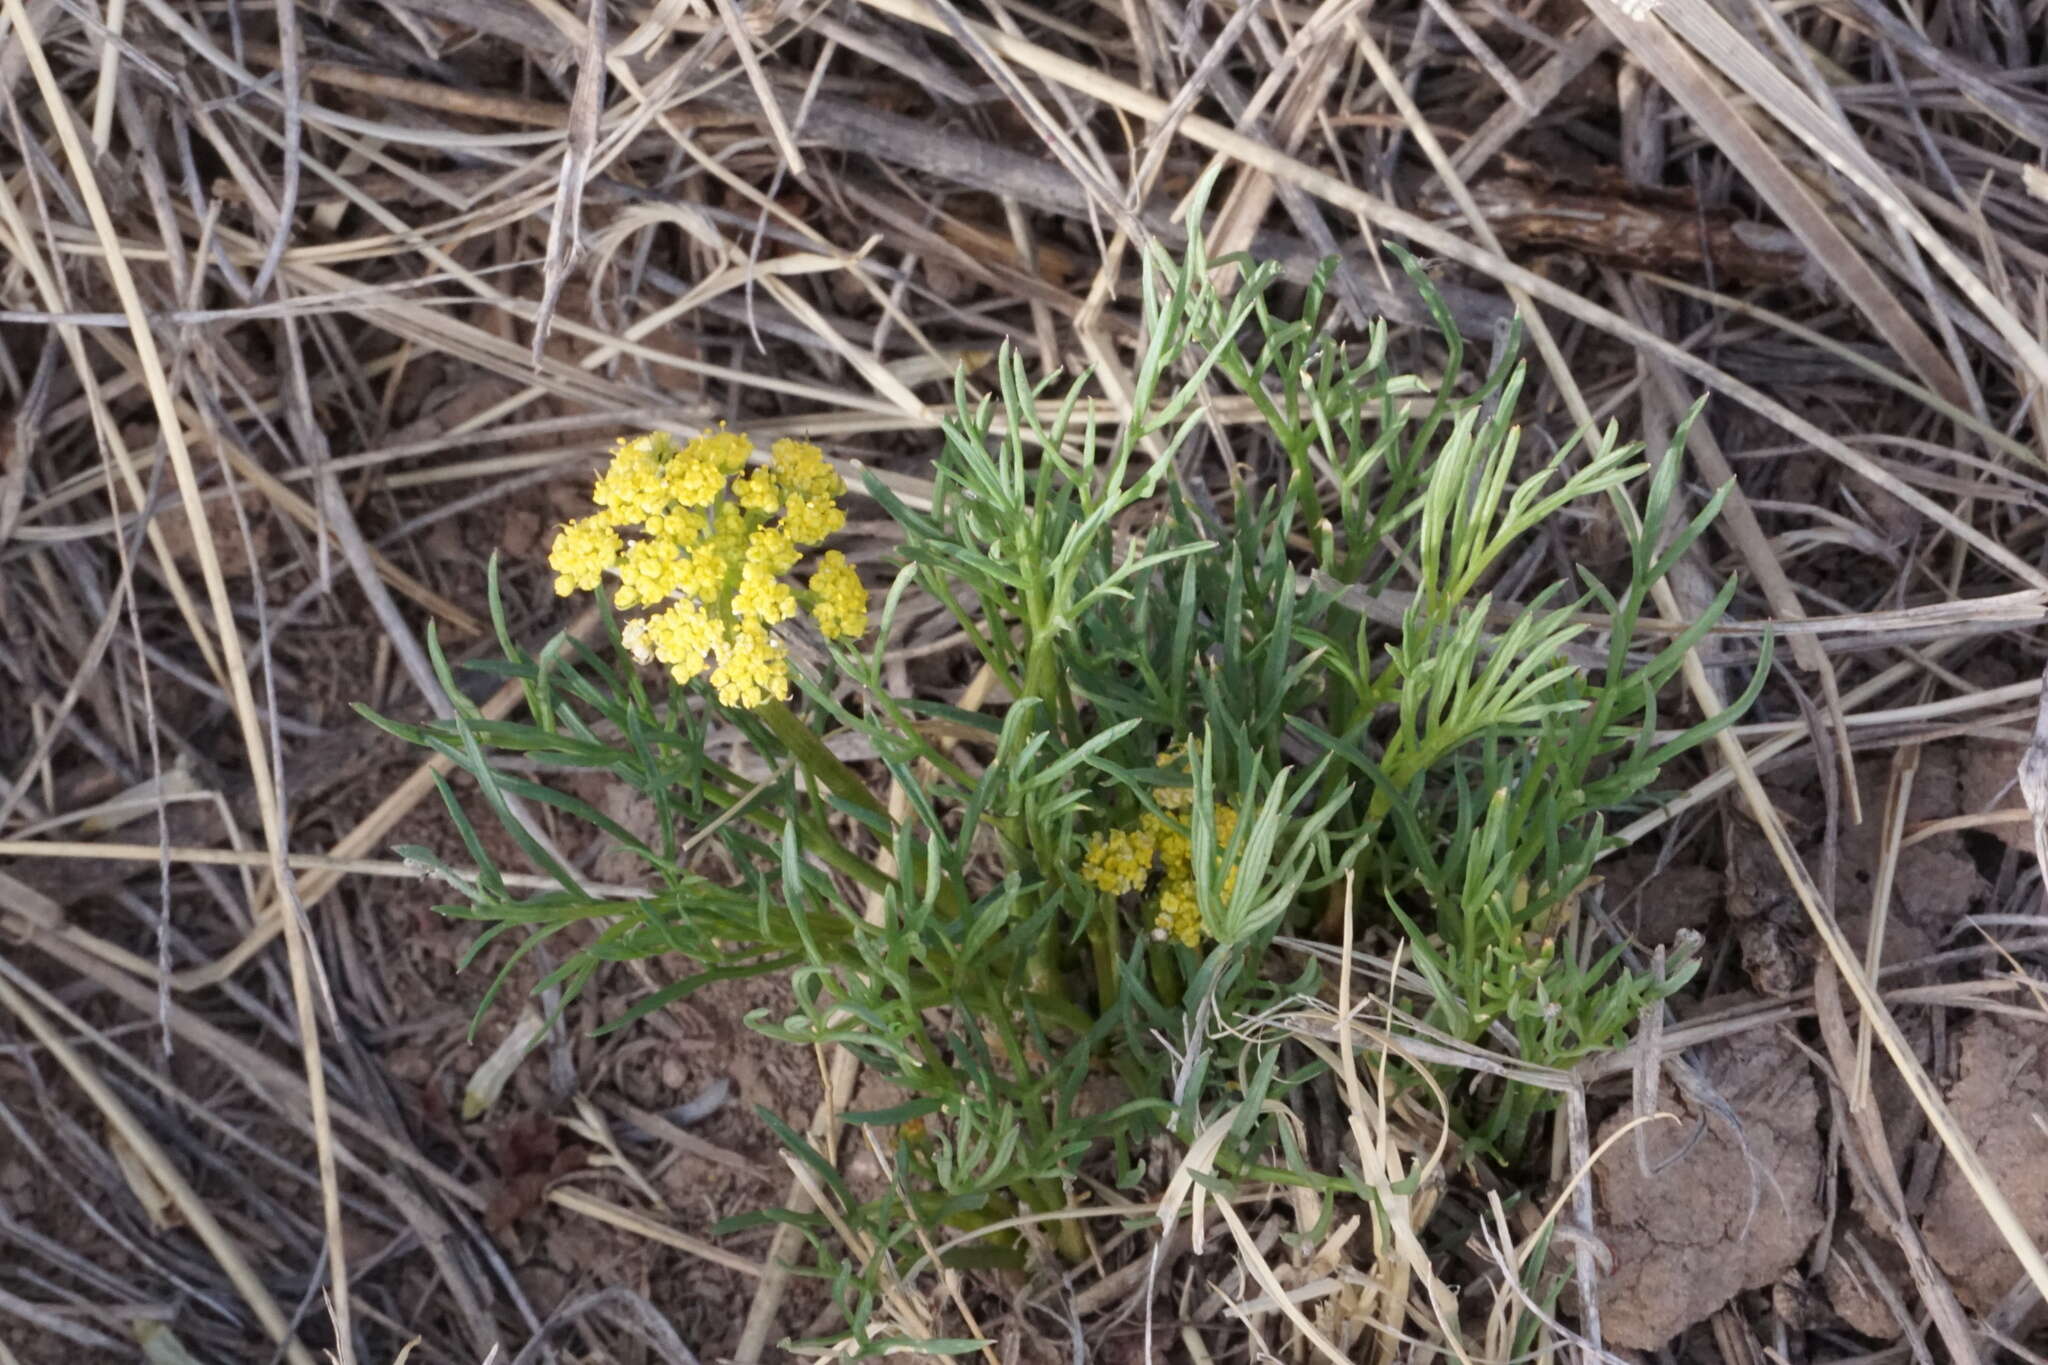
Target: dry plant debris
[(277, 272)]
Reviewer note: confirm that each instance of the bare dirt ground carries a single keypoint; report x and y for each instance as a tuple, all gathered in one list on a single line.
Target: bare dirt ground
[(287, 264)]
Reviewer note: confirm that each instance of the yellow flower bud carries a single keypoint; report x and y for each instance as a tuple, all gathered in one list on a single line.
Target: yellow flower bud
[(582, 551), (727, 451), (649, 572), (753, 668), (757, 492), (694, 478), (763, 596), (1180, 915), (709, 555), (840, 605), (807, 520), (771, 550), (681, 636), (1117, 861), (635, 487), (801, 468)]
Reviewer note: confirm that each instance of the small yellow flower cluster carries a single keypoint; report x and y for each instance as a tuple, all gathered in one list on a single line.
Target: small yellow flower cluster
[(1180, 915), (713, 547), (1121, 860), (841, 608)]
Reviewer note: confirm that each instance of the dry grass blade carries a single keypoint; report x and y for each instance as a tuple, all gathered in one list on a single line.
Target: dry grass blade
[(1558, 71), (253, 737), (15, 995), (1983, 89), (1795, 201), (278, 494), (2033, 775), (1898, 796), (299, 862), (652, 1327), (1379, 1155), (367, 835), (1875, 1171), (565, 228), (750, 61), (17, 237), (288, 194), (640, 1225), (1737, 59), (265, 1077)]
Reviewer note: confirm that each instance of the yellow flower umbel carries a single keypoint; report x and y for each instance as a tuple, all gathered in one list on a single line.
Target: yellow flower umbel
[(713, 545), (1122, 860)]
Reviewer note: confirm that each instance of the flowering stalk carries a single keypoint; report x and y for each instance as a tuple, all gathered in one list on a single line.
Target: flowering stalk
[(715, 543)]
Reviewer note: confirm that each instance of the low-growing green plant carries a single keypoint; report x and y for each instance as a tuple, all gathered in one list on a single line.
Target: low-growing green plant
[(1206, 736)]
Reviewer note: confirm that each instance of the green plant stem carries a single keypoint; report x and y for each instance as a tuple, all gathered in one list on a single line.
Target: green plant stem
[(1506, 1130), (1102, 943), (1046, 1196), (811, 752), (1041, 662), (805, 746), (817, 834), (1166, 981), (817, 838)]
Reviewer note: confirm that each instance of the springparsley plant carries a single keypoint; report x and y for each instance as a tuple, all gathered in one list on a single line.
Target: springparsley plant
[(1252, 682)]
